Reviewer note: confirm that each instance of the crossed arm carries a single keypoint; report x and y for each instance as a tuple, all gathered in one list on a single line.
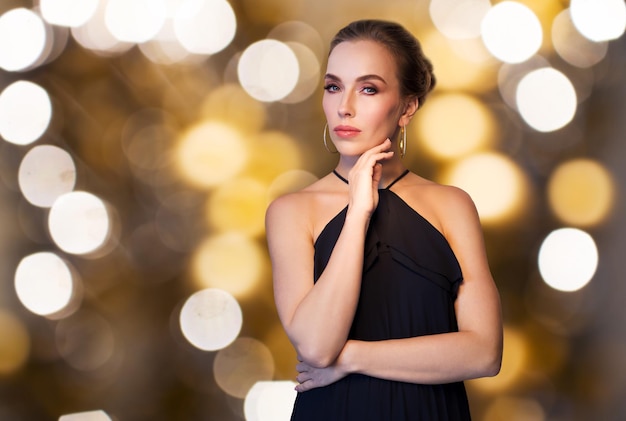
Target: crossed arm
[(474, 351)]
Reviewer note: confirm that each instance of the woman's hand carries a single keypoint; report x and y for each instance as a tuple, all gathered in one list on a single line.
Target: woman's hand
[(311, 377), (364, 178)]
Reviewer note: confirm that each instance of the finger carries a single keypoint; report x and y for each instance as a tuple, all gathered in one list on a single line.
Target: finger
[(366, 163), (383, 146), (302, 377), (371, 159), (378, 171), (383, 149), (303, 387)]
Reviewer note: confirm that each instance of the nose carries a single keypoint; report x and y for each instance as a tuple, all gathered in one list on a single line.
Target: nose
[(346, 105)]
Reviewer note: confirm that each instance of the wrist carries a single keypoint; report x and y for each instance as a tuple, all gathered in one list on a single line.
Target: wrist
[(347, 360), (357, 217)]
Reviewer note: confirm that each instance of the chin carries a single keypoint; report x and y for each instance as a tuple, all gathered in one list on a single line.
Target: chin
[(351, 152)]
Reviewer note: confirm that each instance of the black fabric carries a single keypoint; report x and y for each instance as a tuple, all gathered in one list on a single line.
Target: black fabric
[(410, 281)]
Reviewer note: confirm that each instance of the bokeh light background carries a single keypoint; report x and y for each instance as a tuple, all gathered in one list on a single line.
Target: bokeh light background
[(141, 141)]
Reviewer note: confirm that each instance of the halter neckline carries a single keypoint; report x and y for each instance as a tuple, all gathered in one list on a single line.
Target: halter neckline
[(386, 188)]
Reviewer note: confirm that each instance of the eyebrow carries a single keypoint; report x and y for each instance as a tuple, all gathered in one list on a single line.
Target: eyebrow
[(359, 79)]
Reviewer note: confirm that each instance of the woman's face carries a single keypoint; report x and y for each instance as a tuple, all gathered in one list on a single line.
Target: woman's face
[(362, 99)]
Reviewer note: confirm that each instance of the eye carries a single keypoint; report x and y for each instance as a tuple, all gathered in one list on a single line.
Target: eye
[(331, 87), (370, 90)]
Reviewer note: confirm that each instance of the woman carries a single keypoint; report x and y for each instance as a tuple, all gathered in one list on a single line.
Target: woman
[(381, 279)]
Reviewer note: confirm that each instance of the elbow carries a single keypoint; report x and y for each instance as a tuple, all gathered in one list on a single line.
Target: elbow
[(315, 351), (316, 357), (492, 363), (492, 368)]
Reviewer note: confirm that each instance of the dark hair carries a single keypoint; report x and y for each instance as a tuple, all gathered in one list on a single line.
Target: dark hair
[(415, 71)]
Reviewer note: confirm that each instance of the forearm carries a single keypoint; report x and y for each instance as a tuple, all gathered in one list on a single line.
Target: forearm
[(432, 359), (321, 323)]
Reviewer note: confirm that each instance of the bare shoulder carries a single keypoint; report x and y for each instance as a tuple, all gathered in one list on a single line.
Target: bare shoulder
[(456, 212), (302, 209), (452, 198), (289, 207), (442, 205)]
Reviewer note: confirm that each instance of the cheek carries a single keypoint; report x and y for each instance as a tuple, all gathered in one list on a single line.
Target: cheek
[(387, 114), (327, 105)]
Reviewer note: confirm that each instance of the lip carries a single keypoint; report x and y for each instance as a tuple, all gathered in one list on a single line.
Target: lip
[(346, 131)]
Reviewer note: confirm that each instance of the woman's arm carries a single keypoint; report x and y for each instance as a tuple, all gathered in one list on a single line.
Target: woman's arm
[(317, 317), (474, 351)]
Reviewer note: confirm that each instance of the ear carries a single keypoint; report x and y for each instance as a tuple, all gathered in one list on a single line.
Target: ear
[(410, 108)]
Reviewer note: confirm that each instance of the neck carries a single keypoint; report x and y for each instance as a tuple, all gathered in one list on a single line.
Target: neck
[(392, 168)]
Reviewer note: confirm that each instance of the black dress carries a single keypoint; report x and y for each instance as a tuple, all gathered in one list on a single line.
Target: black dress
[(410, 280)]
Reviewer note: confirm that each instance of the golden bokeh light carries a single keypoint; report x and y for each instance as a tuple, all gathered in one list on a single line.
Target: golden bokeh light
[(25, 112), (211, 153), (546, 11), (270, 401), (302, 33), (211, 319), (495, 183), (458, 19), (45, 173), (511, 32), (473, 50), (599, 20), (22, 39), (15, 349), (238, 205), (477, 75), (568, 259), (230, 261), (79, 223), (510, 74), (68, 12), (572, 46), (205, 26), (474, 127), (581, 192), (308, 74), (268, 70), (134, 21), (241, 365), (95, 36), (230, 104), (273, 153), (44, 283), (546, 99), (57, 38)]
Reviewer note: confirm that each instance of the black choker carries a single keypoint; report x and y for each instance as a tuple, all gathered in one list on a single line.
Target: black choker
[(340, 177)]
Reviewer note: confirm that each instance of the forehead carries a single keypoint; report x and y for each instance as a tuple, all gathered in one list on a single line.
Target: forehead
[(351, 59)]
